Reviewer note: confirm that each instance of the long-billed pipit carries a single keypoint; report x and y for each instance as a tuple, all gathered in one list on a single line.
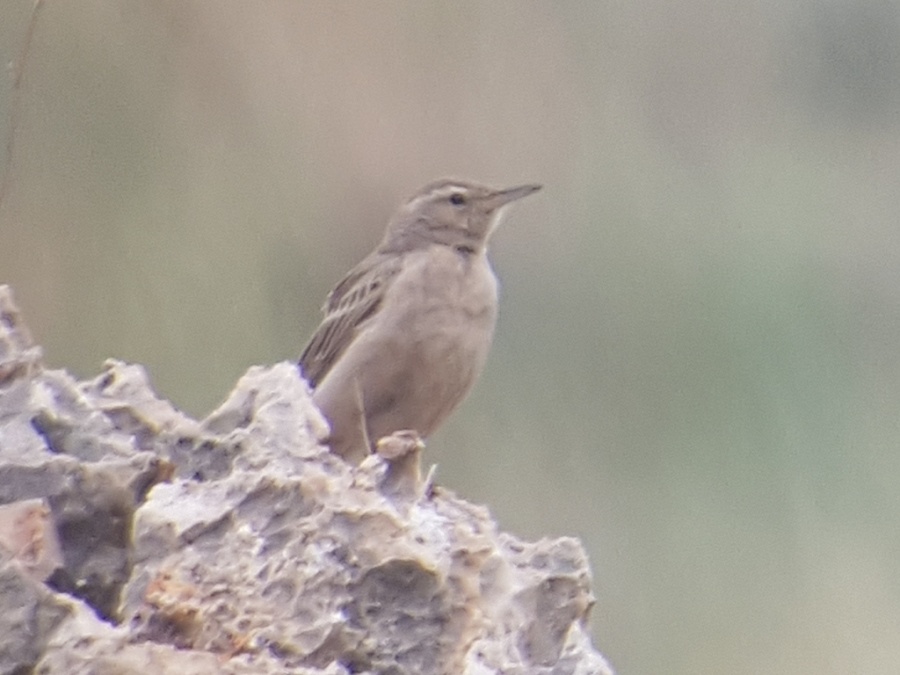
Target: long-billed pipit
[(406, 333)]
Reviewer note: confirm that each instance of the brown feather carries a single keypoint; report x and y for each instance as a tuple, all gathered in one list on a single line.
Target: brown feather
[(356, 298)]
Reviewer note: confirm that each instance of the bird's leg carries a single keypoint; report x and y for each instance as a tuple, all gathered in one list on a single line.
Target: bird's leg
[(402, 452), (429, 482), (361, 416)]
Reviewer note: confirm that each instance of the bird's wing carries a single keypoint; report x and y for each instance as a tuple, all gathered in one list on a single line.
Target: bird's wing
[(356, 298)]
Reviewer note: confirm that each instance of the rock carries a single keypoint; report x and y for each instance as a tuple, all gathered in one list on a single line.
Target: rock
[(135, 539), (28, 536)]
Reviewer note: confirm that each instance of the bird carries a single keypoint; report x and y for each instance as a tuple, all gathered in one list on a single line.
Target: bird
[(406, 332)]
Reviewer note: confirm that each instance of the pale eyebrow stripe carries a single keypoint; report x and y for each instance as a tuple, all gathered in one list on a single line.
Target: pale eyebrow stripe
[(442, 191)]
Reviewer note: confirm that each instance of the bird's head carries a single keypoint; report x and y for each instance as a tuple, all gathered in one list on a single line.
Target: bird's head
[(451, 212)]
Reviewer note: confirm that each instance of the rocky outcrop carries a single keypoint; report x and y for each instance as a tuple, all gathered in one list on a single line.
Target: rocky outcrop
[(134, 539)]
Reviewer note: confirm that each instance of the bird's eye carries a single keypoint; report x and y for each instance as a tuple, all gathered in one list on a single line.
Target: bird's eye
[(457, 199)]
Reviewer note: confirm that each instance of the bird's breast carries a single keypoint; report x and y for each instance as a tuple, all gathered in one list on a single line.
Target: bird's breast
[(441, 311), (448, 287)]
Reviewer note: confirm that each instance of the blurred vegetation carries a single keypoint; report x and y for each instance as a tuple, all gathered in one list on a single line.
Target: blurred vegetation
[(696, 367)]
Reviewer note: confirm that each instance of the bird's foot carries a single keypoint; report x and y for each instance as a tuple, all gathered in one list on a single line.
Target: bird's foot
[(402, 451)]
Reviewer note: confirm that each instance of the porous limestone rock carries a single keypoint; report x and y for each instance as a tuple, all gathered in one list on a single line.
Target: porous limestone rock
[(134, 539)]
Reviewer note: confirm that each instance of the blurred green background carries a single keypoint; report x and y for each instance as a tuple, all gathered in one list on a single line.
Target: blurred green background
[(696, 365)]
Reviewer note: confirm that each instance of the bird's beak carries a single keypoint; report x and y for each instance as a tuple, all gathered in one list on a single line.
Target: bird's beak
[(502, 197)]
